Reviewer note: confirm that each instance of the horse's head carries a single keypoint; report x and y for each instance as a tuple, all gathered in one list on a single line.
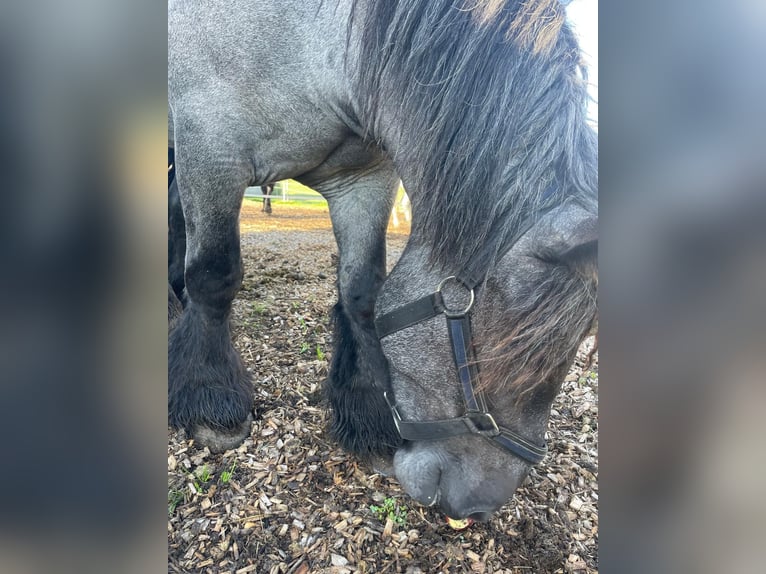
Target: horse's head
[(531, 310)]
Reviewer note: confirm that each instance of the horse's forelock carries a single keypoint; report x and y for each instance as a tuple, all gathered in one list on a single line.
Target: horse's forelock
[(530, 346)]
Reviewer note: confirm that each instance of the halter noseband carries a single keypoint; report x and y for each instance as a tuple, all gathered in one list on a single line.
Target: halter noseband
[(477, 419)]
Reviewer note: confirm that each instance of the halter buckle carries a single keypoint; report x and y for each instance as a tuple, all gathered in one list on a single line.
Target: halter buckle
[(481, 423), (449, 312)]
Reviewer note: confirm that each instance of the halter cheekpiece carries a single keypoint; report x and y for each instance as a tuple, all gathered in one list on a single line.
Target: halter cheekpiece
[(477, 419)]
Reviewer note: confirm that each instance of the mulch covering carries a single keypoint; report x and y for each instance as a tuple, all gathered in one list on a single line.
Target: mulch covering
[(288, 500)]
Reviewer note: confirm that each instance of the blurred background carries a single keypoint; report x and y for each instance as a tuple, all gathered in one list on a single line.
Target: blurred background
[(83, 376), (683, 273), (682, 180)]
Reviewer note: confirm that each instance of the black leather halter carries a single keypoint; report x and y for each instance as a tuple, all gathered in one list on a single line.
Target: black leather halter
[(477, 419)]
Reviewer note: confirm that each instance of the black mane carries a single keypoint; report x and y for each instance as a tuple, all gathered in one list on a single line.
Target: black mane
[(492, 99)]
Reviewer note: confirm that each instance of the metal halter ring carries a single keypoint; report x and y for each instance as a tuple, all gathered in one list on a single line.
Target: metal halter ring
[(448, 312)]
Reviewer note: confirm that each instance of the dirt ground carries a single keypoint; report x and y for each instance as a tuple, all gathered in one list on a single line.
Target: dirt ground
[(290, 501)]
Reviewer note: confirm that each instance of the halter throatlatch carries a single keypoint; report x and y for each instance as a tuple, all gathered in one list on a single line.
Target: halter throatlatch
[(477, 418)]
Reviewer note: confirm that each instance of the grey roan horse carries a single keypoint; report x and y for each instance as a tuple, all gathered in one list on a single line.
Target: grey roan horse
[(447, 368)]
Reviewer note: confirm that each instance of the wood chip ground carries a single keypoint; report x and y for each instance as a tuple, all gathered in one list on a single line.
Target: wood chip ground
[(289, 501)]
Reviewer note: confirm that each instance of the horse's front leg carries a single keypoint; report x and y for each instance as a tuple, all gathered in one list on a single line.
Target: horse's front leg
[(209, 392), (360, 205)]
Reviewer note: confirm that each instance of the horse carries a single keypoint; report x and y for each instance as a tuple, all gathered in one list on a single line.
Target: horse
[(267, 189), (444, 370)]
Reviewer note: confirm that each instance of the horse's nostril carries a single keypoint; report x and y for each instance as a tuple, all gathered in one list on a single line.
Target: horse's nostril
[(435, 500)]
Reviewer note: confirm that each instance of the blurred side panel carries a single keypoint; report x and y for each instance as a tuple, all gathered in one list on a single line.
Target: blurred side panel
[(82, 286), (682, 275)]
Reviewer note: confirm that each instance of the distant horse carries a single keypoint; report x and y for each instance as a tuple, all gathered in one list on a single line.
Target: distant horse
[(267, 189), (448, 367)]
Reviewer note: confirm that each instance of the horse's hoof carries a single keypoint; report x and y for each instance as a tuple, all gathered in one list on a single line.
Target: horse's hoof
[(220, 441)]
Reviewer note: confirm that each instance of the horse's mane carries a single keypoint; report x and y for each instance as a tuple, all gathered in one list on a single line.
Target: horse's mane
[(492, 98)]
